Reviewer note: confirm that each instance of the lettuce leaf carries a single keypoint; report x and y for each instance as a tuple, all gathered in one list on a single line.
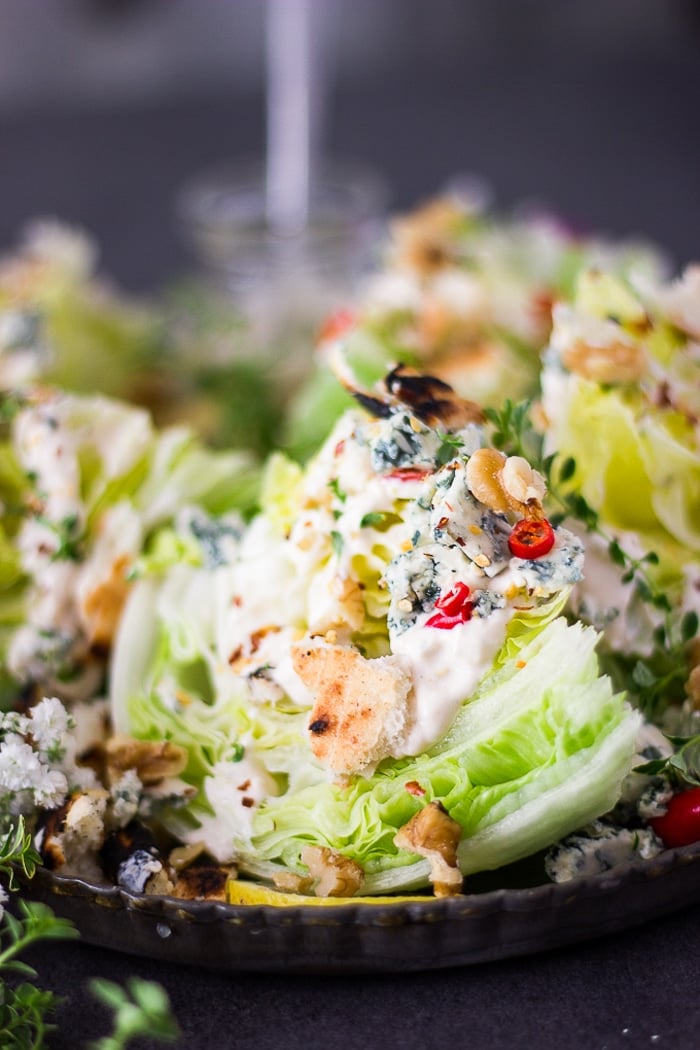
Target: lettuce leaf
[(539, 749), (638, 469)]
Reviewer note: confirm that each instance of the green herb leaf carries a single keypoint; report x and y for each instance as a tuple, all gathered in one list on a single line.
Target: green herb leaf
[(689, 626), (141, 1010), (379, 519)]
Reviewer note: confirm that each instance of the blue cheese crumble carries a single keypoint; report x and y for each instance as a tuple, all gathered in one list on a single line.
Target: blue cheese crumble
[(597, 848)]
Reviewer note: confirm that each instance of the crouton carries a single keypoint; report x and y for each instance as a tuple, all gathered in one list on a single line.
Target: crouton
[(360, 712)]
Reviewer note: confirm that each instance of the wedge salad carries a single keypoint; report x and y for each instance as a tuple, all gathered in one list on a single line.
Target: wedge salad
[(459, 636)]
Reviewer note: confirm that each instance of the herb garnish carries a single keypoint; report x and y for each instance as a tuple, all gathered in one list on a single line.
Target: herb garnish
[(657, 679)]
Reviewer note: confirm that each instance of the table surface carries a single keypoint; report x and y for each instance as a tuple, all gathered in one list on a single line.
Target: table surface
[(613, 149)]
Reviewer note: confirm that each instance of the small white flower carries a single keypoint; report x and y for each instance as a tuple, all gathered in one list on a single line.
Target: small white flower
[(20, 767), (12, 722), (49, 724), (3, 897), (51, 789)]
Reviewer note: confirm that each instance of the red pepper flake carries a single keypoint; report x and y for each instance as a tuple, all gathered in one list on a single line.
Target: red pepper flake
[(521, 663), (248, 802), (244, 786), (414, 788)]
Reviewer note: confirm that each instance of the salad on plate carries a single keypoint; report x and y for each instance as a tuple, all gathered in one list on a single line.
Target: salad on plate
[(459, 636)]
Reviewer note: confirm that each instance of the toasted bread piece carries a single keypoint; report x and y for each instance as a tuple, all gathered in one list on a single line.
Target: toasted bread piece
[(360, 712)]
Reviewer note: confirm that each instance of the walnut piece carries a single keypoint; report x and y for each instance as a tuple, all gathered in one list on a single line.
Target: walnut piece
[(102, 607), (335, 874), (153, 760), (425, 240), (433, 834), (505, 483), (521, 482), (71, 836), (614, 363), (203, 882), (290, 882)]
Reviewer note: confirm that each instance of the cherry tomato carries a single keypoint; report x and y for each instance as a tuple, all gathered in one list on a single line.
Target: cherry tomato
[(680, 824), (531, 538), (452, 607), (337, 324)]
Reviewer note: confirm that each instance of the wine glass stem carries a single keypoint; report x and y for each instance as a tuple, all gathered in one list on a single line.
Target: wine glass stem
[(293, 108)]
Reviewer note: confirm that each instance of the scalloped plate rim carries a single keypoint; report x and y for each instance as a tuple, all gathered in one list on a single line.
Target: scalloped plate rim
[(362, 937)]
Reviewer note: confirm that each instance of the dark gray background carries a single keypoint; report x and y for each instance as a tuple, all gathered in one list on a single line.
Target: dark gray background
[(106, 108)]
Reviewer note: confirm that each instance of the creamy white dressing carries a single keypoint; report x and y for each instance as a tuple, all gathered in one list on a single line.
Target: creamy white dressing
[(234, 792), (445, 666), (48, 450)]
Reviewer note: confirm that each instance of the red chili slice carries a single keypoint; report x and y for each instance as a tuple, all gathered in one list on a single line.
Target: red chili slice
[(531, 538), (452, 607), (409, 473), (454, 600), (680, 824), (337, 324)]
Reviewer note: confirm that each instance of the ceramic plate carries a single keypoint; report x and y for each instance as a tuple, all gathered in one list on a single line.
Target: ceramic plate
[(357, 938)]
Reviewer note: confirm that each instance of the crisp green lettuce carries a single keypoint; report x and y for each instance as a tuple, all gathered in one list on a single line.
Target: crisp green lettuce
[(635, 465), (504, 771), (541, 721)]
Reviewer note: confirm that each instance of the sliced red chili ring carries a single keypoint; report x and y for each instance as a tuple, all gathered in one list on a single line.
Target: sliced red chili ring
[(531, 538), (452, 608), (454, 600), (337, 324), (409, 473)]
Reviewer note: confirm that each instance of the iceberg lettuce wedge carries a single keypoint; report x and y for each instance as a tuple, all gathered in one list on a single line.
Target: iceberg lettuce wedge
[(537, 750)]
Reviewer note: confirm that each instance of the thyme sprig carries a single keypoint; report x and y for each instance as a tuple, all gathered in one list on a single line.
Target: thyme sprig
[(682, 767), (659, 678), (142, 1009), (26, 1011)]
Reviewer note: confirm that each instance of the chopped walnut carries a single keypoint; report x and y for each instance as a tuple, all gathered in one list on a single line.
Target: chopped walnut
[(433, 834), (102, 607), (290, 882), (71, 836), (505, 483), (203, 882), (521, 482), (425, 240), (616, 362), (153, 760), (335, 874)]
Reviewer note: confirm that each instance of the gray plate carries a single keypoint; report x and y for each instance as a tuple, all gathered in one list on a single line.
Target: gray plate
[(357, 938)]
